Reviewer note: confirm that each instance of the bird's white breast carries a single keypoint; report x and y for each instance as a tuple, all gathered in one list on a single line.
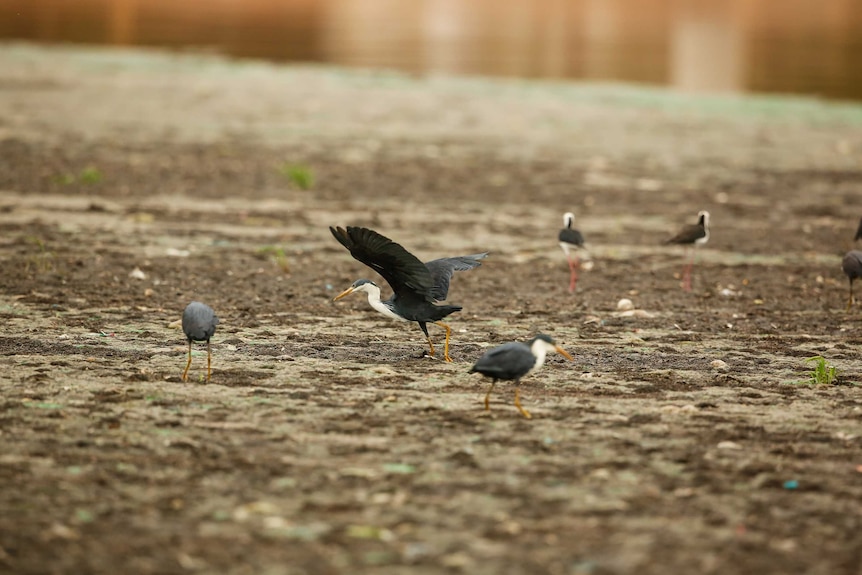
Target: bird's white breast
[(539, 352), (382, 308)]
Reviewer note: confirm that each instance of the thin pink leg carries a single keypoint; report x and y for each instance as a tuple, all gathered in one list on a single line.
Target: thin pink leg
[(686, 276), (573, 273)]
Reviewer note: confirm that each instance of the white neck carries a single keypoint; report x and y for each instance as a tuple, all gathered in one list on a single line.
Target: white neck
[(374, 300), (540, 350)]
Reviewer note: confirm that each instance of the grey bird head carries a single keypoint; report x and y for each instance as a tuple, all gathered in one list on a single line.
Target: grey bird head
[(367, 286), (357, 285), (544, 343), (545, 338)]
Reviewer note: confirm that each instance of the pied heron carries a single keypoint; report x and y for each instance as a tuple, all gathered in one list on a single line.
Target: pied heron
[(417, 286), (514, 360)]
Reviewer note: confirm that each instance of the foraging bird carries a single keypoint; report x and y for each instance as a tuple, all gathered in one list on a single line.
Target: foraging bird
[(199, 324), (852, 264), (512, 361), (571, 239), (692, 236), (417, 287)]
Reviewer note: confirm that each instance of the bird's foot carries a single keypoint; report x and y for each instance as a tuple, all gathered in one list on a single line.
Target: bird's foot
[(523, 411)]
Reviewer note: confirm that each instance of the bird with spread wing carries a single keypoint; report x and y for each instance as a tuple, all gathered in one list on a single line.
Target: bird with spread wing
[(417, 287)]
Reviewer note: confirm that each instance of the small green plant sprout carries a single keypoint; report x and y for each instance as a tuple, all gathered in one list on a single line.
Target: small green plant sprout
[(276, 255), (300, 176), (822, 374), (90, 175), (65, 179), (40, 259)]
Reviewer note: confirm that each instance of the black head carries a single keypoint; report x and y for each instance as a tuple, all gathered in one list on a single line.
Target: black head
[(545, 338), (359, 283)]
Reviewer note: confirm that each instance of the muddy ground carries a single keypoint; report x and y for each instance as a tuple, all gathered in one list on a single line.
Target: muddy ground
[(326, 441)]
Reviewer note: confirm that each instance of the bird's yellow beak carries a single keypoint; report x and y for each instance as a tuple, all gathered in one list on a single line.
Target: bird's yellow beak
[(345, 293), (564, 353)]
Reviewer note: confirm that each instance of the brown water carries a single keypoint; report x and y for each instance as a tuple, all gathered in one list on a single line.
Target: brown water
[(787, 46)]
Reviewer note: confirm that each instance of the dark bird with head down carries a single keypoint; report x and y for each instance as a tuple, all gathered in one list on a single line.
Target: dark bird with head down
[(199, 324), (512, 361), (417, 286), (852, 265)]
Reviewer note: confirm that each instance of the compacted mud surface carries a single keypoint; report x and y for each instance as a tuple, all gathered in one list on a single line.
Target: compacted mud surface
[(686, 437)]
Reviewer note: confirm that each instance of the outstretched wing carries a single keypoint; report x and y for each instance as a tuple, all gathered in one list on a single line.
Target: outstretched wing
[(442, 270), (404, 272)]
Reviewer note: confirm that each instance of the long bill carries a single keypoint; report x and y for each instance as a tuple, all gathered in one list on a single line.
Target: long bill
[(564, 353), (345, 293)]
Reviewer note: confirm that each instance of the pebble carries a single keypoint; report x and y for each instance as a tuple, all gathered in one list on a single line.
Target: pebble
[(137, 274)]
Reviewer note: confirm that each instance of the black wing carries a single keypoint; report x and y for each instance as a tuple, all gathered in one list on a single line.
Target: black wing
[(688, 235), (852, 265), (571, 236), (508, 361), (403, 270), (858, 231), (442, 270)]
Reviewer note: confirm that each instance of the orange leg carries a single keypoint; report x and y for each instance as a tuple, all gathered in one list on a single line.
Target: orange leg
[(430, 346), (188, 363), (523, 411), (209, 362), (488, 396), (446, 344)]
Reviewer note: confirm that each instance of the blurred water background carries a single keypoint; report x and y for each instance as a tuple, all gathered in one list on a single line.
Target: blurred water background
[(802, 47)]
